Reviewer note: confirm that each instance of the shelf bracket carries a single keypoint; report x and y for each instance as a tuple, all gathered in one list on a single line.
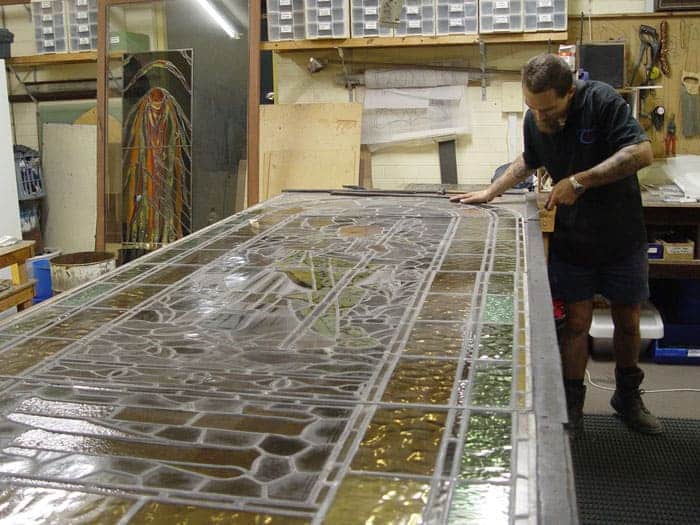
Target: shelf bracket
[(482, 58)]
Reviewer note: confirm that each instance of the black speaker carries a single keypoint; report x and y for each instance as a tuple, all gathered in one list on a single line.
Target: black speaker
[(604, 61)]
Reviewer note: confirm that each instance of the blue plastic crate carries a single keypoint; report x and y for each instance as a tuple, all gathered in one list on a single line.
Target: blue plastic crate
[(680, 345)]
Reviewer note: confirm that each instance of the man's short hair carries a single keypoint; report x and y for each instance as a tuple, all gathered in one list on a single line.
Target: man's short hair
[(545, 72)]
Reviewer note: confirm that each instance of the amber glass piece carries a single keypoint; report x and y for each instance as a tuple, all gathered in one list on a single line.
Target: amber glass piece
[(22, 356), (445, 307), (129, 273), (109, 446), (81, 324), (157, 513), (435, 339), (164, 255), (453, 282), (261, 425), (427, 381), (369, 500), (129, 297), (49, 505), (201, 257), (404, 440), (169, 275), (155, 415)]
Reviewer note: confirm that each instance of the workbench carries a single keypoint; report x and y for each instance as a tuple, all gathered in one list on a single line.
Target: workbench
[(21, 292), (318, 358)]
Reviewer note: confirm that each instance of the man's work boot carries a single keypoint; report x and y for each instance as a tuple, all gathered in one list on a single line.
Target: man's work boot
[(627, 401), (575, 396)]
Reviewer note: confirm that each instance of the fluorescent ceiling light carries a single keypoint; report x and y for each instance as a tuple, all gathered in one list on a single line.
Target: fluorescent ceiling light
[(209, 8)]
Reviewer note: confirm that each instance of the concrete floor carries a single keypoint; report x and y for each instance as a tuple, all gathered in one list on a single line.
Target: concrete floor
[(666, 404)]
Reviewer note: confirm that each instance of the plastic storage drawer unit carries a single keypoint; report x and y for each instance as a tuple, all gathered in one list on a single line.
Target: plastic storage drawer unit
[(327, 19), (82, 24), (417, 18), (500, 16), (545, 15), (364, 19), (49, 26), (285, 20), (457, 17)]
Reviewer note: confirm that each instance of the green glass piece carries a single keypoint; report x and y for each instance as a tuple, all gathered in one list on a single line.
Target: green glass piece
[(36, 320), (129, 297), (155, 415), (426, 381), (444, 307), (496, 342), (480, 504), (86, 295), (81, 324), (158, 513), (492, 386), (487, 447), (453, 282), (499, 309), (501, 283), (404, 440), (26, 354), (506, 248), (370, 500), (51, 505), (504, 263), (435, 339), (468, 246)]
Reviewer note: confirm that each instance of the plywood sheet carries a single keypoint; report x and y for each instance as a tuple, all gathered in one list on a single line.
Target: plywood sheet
[(306, 146), (289, 169), (69, 166)]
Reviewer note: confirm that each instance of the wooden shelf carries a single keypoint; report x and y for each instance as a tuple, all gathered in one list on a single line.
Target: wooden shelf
[(58, 59), (448, 40), (674, 269)]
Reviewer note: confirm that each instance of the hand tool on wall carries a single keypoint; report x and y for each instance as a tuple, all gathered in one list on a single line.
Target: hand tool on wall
[(690, 103), (648, 41), (663, 52), (670, 138)]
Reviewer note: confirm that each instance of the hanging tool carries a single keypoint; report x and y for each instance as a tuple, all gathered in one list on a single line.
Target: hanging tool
[(663, 53), (670, 138), (657, 117), (649, 41)]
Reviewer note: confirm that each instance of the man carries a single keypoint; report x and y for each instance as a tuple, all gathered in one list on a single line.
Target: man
[(583, 133)]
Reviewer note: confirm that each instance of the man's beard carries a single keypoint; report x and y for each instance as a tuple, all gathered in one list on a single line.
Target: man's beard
[(551, 126)]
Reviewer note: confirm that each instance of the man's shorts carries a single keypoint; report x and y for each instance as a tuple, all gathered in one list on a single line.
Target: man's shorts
[(625, 281)]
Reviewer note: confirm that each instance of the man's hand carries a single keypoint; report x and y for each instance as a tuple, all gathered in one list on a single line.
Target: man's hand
[(562, 193), (473, 197)]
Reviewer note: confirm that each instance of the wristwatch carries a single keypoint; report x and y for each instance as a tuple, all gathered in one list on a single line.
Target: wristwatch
[(578, 187)]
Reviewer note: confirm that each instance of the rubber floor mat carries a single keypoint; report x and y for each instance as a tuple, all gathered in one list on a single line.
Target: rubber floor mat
[(625, 477)]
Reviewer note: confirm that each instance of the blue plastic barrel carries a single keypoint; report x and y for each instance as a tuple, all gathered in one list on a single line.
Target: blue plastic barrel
[(42, 274)]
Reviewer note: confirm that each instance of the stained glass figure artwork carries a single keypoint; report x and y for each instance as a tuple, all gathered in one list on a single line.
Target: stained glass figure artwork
[(156, 142), (314, 359)]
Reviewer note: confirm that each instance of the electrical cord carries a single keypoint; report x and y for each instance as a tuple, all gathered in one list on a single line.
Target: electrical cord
[(588, 377)]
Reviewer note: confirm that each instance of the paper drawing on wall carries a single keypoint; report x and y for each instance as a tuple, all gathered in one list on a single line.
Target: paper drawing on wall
[(156, 146)]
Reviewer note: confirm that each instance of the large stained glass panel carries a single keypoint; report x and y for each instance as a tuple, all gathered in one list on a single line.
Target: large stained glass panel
[(318, 358)]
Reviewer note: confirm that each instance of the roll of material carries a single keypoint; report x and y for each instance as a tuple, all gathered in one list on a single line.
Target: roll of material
[(413, 78)]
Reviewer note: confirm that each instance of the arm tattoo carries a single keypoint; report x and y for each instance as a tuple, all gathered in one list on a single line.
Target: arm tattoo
[(622, 164)]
